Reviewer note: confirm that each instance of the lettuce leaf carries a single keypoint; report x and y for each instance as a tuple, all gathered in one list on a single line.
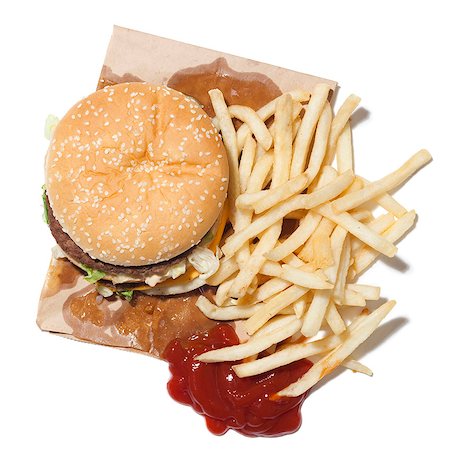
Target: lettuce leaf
[(128, 295), (45, 213), (93, 275), (50, 125)]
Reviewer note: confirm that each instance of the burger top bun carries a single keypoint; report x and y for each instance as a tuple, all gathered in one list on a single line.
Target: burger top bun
[(136, 174)]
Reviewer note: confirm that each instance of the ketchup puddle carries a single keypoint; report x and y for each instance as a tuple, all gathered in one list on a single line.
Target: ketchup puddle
[(226, 401)]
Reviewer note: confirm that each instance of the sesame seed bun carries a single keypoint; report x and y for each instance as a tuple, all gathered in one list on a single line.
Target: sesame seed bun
[(136, 174)]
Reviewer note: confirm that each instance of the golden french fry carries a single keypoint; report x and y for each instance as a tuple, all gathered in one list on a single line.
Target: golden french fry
[(270, 288), (356, 366), (304, 136), (282, 153), (344, 150), (271, 269), (320, 143), (368, 292), (227, 312), (385, 184), (303, 279), (334, 319), (316, 313), (338, 124), (260, 171), (352, 298), (294, 261), (341, 274), (299, 308), (246, 162)]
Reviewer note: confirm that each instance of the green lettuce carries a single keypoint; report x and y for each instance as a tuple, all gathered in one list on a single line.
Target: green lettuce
[(50, 125), (45, 213), (93, 275), (128, 295)]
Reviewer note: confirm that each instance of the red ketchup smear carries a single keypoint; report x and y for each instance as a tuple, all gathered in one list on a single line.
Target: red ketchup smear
[(227, 401)]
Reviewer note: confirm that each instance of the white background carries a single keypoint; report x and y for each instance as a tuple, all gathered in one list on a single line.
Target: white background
[(60, 394)]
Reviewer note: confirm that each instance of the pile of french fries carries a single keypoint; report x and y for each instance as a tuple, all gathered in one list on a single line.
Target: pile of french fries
[(304, 227)]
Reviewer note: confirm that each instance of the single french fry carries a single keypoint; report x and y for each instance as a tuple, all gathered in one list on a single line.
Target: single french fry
[(356, 366), (282, 141), (334, 319), (246, 162), (368, 292), (338, 124), (316, 313), (320, 143), (385, 184), (341, 275), (352, 298), (270, 288), (304, 279), (305, 134), (225, 313), (344, 150), (299, 308)]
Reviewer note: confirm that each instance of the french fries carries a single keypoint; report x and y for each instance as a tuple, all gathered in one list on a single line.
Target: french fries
[(302, 232), (302, 201), (329, 362), (287, 326), (305, 133)]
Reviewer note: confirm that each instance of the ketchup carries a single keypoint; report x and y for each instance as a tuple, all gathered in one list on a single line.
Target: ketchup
[(227, 401)]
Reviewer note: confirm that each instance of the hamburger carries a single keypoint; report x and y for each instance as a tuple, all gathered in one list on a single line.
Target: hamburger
[(136, 179)]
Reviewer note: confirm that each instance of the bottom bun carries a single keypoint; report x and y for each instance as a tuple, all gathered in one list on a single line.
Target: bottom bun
[(72, 307)]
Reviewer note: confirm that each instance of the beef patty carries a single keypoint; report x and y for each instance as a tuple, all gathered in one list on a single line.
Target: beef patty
[(140, 273)]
